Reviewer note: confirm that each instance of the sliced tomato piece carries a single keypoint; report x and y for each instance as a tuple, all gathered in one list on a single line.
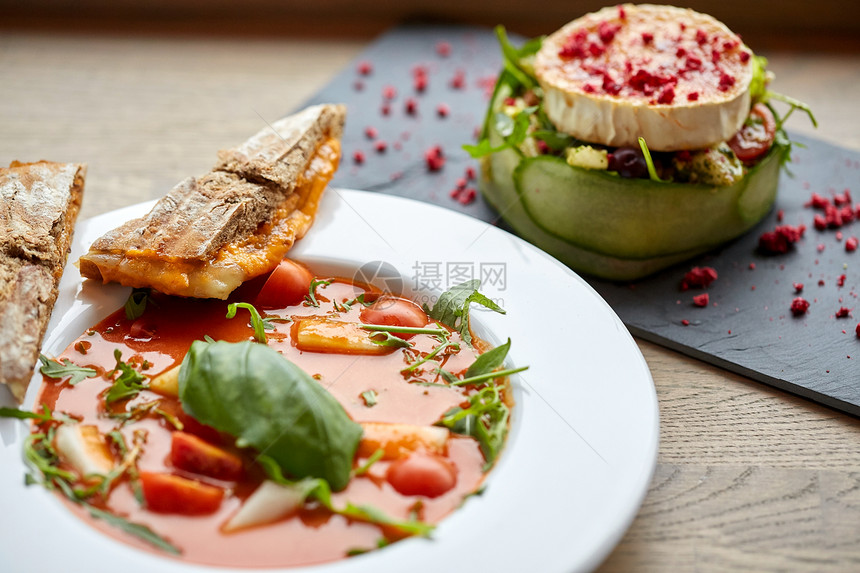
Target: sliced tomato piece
[(168, 493), (422, 474), (391, 311), (287, 285), (190, 453), (756, 136)]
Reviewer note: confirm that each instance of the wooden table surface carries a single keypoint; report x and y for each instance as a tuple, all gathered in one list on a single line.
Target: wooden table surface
[(748, 478)]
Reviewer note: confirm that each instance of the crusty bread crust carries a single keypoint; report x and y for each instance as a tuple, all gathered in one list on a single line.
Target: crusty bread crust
[(258, 189), (39, 203)]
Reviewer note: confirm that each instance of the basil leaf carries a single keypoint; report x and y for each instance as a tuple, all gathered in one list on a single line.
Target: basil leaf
[(56, 370), (266, 402), (452, 308), (136, 303)]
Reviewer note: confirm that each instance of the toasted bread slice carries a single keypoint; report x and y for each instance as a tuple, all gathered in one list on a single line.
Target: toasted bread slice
[(677, 78), (210, 234), (39, 203)]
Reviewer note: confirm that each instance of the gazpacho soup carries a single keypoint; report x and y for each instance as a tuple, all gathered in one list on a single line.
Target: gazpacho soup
[(305, 419)]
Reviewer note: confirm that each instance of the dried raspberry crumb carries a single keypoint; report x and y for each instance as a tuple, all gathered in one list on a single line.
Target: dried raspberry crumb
[(701, 37), (434, 158), (799, 306), (857, 330), (647, 37), (726, 82), (667, 96), (589, 89), (419, 83), (851, 244), (745, 57), (780, 240), (470, 172), (467, 196), (698, 277), (821, 282), (607, 30), (411, 106), (693, 96), (370, 132), (442, 110), (364, 68), (843, 312), (798, 287), (686, 322), (458, 82), (752, 266), (780, 215), (843, 198), (819, 222), (701, 300), (358, 157), (380, 146), (358, 85), (817, 201), (443, 49), (840, 281), (389, 92)]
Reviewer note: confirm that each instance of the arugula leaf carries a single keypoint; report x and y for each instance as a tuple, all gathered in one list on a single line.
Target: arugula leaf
[(479, 378), (45, 416), (452, 308), (489, 360), (514, 57), (258, 323), (374, 457), (268, 403), (311, 297), (652, 171), (136, 529), (127, 385), (385, 338), (485, 419), (136, 303), (57, 370)]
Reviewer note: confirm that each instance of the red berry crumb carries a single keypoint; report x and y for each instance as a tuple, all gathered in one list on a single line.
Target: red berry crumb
[(442, 110), (698, 277), (358, 157), (364, 68), (851, 244), (443, 49), (434, 158), (470, 173), (686, 322), (458, 82), (798, 287), (370, 132), (840, 281), (780, 240), (467, 196), (701, 300), (857, 330), (411, 106), (380, 146), (389, 92), (799, 306), (843, 312)]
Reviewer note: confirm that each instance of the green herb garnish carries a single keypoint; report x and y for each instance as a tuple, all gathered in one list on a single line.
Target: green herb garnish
[(311, 297), (452, 308), (258, 323), (136, 303), (127, 385), (266, 402), (58, 371)]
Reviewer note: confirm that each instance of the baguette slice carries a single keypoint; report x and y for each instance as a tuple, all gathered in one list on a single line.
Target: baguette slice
[(39, 203), (676, 77), (211, 233)]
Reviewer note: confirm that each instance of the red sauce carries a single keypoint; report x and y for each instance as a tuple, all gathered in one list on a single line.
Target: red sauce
[(166, 331)]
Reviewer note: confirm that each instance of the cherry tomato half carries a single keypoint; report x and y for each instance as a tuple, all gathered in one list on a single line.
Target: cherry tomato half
[(421, 474), (287, 285), (392, 311), (755, 138), (168, 493)]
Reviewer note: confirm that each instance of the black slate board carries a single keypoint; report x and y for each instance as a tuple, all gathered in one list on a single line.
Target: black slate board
[(747, 327)]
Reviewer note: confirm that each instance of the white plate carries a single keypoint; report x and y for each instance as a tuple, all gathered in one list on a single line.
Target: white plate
[(583, 442)]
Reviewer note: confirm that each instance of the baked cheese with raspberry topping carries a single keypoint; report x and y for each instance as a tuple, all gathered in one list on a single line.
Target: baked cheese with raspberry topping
[(677, 78)]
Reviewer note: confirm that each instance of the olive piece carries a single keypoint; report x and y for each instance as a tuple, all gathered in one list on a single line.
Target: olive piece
[(628, 162)]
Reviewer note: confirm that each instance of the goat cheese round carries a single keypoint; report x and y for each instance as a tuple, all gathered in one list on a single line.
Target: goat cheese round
[(677, 78)]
